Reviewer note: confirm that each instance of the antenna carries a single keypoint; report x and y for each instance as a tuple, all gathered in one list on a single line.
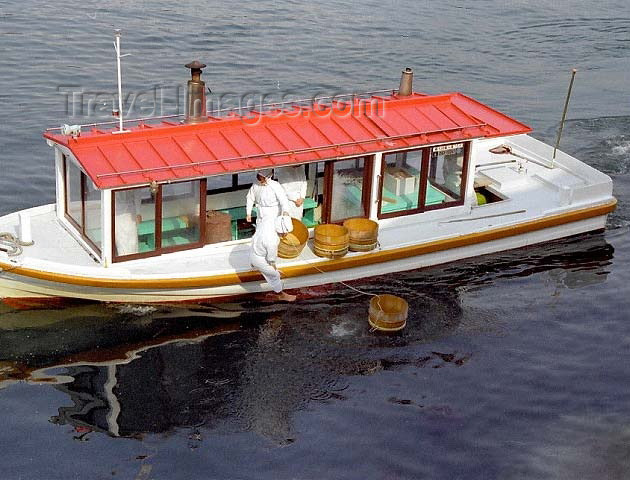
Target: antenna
[(117, 35)]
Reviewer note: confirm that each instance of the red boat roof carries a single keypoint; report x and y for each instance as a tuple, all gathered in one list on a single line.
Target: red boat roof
[(177, 151)]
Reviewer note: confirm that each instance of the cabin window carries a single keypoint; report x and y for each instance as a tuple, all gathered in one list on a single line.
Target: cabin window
[(92, 211), (134, 221), (305, 181), (400, 182), (83, 204), (180, 214), (446, 170), (221, 182), (225, 216), (419, 180), (74, 204), (348, 188), (149, 222), (313, 203)]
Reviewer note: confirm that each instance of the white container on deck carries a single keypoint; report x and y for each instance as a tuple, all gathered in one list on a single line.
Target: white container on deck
[(25, 234)]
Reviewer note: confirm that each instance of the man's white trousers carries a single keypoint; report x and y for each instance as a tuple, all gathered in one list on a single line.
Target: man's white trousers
[(271, 274)]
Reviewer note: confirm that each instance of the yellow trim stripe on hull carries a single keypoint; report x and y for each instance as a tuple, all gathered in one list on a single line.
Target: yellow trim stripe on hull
[(327, 266)]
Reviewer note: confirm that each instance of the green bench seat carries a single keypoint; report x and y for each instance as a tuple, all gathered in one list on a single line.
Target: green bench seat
[(398, 203), (173, 233), (147, 227)]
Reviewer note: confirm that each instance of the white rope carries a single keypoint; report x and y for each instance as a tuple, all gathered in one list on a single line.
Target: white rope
[(346, 285), (11, 244), (321, 271)]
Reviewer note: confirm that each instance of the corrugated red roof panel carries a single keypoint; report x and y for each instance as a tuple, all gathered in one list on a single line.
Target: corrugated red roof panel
[(233, 144)]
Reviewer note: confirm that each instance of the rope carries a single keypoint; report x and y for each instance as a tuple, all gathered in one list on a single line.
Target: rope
[(362, 292), (349, 286), (294, 247), (11, 244)]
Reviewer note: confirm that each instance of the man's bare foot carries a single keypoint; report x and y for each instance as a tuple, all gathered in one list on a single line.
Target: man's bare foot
[(286, 297)]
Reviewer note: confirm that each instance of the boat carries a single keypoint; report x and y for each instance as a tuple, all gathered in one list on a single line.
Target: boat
[(152, 210)]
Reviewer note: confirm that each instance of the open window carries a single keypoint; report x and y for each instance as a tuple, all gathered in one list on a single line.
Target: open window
[(314, 201), (226, 214), (226, 200)]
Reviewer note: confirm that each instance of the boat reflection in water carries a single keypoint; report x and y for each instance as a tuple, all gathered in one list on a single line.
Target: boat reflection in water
[(134, 372)]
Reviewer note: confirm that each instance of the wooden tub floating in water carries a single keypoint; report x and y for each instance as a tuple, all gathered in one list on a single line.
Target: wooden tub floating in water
[(388, 313)]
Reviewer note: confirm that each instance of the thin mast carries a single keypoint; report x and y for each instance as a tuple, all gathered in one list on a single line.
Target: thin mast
[(564, 116), (117, 35)]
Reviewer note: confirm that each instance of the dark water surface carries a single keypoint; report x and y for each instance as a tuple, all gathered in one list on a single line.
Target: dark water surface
[(512, 366)]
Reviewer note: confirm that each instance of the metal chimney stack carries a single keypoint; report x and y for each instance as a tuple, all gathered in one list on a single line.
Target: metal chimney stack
[(406, 83), (196, 95)]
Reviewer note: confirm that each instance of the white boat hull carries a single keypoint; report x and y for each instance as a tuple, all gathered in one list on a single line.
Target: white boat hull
[(15, 286)]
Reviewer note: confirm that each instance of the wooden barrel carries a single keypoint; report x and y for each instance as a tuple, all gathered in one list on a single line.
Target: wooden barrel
[(292, 243), (218, 227), (330, 241), (363, 234), (388, 313)]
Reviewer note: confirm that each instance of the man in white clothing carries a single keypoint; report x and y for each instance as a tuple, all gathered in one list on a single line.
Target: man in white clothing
[(263, 252), (293, 180), (268, 196)]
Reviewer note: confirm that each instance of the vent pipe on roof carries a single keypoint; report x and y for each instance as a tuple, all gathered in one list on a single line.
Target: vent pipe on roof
[(196, 94), (406, 83)]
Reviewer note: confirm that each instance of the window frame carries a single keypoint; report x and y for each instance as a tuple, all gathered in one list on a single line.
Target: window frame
[(366, 188), (424, 178), (66, 207), (79, 227), (159, 250), (202, 219), (462, 188), (424, 162)]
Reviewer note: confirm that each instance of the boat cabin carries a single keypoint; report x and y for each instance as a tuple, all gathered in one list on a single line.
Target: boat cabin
[(156, 188)]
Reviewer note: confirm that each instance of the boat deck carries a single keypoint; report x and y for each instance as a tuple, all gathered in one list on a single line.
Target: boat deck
[(51, 240)]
